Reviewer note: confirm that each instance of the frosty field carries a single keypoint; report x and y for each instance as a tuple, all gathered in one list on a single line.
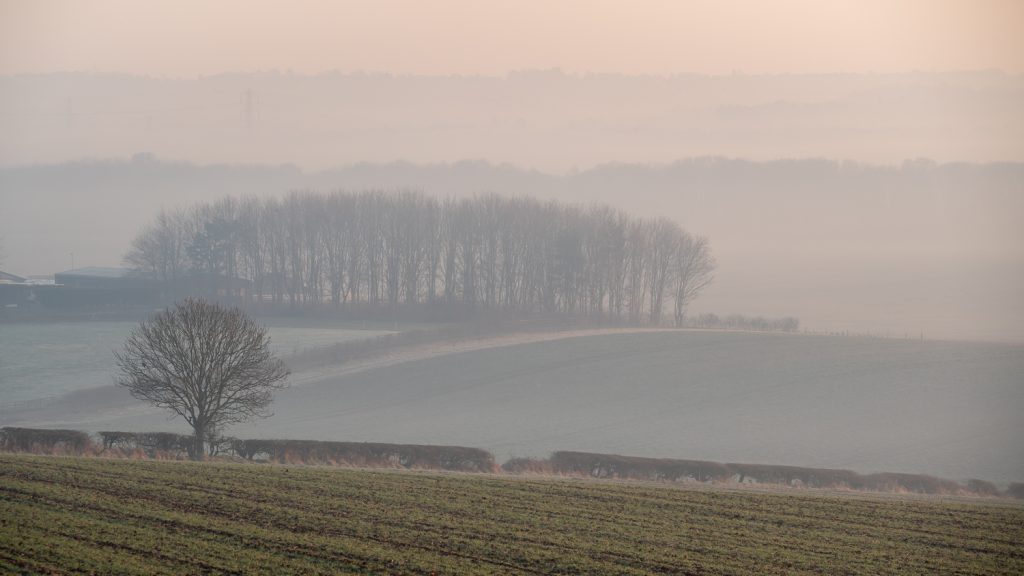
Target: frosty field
[(949, 409), (48, 359)]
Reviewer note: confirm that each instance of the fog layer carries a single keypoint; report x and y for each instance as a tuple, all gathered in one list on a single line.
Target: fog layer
[(947, 409), (922, 249)]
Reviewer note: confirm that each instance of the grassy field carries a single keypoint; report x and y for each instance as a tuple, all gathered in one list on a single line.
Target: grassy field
[(115, 516)]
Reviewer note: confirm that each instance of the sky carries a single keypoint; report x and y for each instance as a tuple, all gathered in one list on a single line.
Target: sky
[(186, 38)]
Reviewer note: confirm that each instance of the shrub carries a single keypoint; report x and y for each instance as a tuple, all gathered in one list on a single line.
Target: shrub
[(635, 468), (796, 476), (982, 488), (1016, 490), (44, 441), (527, 466), (916, 483), (457, 458), (632, 467), (153, 444)]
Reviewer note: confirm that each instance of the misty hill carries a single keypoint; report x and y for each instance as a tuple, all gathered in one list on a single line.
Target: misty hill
[(546, 119), (945, 409), (918, 247)]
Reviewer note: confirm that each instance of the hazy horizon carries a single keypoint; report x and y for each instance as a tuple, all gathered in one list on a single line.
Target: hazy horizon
[(812, 188), (923, 249), (545, 120)]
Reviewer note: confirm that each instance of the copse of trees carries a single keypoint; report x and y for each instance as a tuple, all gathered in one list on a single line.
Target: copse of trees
[(405, 248)]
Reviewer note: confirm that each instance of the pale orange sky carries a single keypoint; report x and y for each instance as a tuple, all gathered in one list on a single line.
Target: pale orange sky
[(188, 38)]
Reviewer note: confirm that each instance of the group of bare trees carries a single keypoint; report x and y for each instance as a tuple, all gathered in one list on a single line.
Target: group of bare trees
[(395, 248)]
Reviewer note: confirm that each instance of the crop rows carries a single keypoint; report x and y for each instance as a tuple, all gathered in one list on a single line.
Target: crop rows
[(117, 516)]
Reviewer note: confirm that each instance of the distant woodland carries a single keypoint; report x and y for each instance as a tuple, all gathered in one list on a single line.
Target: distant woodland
[(393, 249)]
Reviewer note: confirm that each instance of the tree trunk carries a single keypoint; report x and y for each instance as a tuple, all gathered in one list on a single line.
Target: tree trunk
[(198, 450)]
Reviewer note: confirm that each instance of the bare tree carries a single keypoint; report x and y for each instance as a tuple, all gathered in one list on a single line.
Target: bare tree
[(694, 271), (207, 363), (159, 251), (662, 244)]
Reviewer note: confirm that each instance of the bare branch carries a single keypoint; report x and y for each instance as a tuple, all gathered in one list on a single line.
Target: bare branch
[(207, 363)]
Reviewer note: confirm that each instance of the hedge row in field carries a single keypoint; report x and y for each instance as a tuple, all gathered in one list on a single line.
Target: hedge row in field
[(175, 446), (152, 443), (661, 469), (458, 458), (32, 440), (464, 459)]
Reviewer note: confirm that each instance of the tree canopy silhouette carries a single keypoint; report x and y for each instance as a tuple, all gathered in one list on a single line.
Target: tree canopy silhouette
[(208, 363), (396, 249)]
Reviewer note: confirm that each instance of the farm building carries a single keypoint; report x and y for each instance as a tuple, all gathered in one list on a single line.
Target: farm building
[(94, 287), (102, 278), (98, 288), (8, 278), (15, 291)]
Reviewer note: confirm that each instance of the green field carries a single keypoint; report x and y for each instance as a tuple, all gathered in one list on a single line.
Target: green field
[(69, 515)]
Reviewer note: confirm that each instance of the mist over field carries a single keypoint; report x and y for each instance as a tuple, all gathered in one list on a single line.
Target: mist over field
[(948, 409), (915, 249), (478, 287), (697, 242), (874, 205)]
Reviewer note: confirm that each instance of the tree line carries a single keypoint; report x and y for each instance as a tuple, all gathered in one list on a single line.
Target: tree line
[(388, 249)]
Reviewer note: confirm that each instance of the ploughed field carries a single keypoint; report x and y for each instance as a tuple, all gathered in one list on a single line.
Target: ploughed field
[(106, 516)]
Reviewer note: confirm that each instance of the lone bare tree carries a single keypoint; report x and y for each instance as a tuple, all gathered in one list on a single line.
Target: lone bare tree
[(208, 363)]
